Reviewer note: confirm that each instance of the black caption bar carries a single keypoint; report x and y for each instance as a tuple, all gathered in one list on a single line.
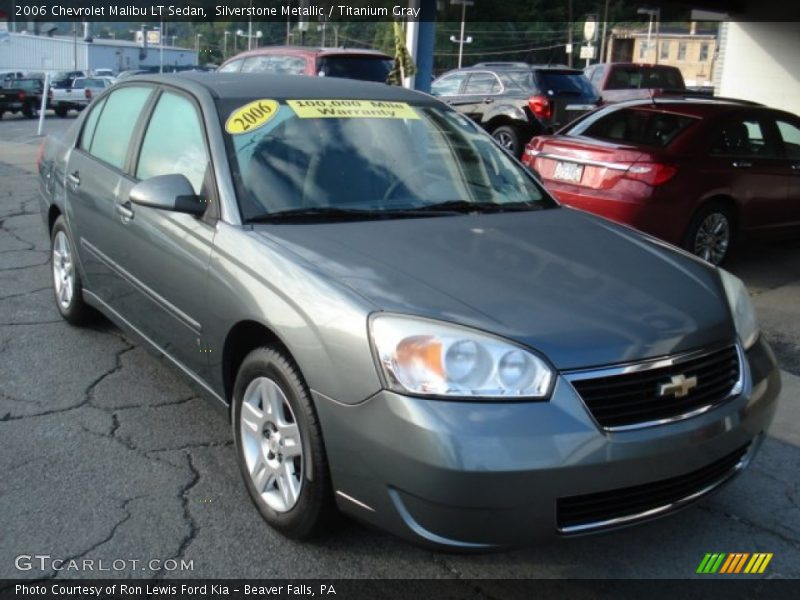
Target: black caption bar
[(398, 589), (372, 10)]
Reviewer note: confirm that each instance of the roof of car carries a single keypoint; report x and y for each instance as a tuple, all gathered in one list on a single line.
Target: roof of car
[(696, 107), (306, 50), (283, 87)]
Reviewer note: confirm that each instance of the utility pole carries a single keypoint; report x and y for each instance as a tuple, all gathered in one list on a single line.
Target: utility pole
[(602, 57), (461, 40), (570, 45), (250, 28)]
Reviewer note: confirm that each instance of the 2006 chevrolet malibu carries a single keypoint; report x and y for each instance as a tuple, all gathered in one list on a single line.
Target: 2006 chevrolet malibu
[(398, 317)]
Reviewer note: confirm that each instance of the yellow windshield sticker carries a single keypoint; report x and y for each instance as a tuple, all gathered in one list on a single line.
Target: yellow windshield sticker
[(351, 109), (251, 116)]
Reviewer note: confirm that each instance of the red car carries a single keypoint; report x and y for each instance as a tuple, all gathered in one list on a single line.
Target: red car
[(696, 173), (350, 63)]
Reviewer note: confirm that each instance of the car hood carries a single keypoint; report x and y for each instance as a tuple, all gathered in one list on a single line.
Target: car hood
[(581, 290)]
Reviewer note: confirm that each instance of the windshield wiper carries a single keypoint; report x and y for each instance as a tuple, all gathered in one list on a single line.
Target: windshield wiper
[(467, 207), (321, 213)]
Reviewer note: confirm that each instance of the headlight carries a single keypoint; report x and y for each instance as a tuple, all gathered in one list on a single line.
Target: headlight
[(744, 317), (433, 358)]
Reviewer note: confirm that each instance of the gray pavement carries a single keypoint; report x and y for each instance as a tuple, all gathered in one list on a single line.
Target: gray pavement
[(106, 454)]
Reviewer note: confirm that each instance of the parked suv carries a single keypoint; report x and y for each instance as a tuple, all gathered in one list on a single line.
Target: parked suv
[(515, 101), (618, 82), (355, 63), (21, 95)]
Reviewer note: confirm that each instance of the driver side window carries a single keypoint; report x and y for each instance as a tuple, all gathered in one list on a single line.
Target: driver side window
[(174, 142)]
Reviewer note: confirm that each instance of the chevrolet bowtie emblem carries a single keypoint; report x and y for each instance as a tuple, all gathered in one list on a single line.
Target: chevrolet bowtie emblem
[(679, 386)]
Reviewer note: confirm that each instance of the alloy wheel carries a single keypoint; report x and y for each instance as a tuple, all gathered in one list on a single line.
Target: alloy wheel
[(713, 238), (505, 139), (273, 448), (63, 270)]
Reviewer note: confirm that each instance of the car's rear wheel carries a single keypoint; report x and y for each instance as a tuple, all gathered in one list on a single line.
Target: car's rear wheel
[(61, 111), (2, 112), (711, 233), (67, 284), (279, 444), (510, 138), (29, 110)]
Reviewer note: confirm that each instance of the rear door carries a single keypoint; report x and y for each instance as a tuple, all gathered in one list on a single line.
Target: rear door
[(481, 90), (789, 132), (745, 159)]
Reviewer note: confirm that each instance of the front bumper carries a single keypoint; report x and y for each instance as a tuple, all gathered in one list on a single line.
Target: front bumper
[(481, 475)]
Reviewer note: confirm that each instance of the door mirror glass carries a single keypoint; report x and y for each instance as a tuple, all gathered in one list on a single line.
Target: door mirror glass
[(168, 192)]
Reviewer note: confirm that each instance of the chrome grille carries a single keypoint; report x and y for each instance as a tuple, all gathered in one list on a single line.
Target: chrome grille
[(630, 397)]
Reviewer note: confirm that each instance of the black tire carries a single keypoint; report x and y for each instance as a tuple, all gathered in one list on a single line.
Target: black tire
[(61, 111), (510, 138), (76, 311), (313, 509), (711, 233), (2, 112), (29, 110)]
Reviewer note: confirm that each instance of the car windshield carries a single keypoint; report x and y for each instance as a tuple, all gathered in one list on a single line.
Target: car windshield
[(368, 159), (644, 127), (365, 68)]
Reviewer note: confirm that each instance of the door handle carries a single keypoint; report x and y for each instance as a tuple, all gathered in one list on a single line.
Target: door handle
[(741, 164), (74, 178), (125, 211), (488, 100)]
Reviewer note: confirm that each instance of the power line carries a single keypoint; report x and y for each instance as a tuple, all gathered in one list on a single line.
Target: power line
[(501, 52)]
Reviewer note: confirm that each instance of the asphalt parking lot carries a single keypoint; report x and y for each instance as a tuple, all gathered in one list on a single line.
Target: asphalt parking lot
[(106, 454)]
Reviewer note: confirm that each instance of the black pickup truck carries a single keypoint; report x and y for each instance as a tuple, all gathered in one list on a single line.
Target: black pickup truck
[(21, 95)]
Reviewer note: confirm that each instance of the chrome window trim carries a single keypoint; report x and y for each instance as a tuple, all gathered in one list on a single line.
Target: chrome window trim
[(657, 363), (665, 508)]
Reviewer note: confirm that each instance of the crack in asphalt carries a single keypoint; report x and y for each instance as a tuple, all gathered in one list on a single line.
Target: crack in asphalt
[(88, 392), (105, 540), (187, 516), (748, 523), (37, 290)]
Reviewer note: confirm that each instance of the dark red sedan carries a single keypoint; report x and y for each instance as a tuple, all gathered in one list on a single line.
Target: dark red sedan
[(696, 173)]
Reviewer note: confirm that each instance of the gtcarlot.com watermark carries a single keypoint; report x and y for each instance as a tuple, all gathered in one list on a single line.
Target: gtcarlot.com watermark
[(45, 562)]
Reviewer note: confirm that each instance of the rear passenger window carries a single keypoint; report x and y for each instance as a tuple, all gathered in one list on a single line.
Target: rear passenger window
[(174, 142), (482, 83), (741, 138), (112, 134), (790, 134), (91, 125)]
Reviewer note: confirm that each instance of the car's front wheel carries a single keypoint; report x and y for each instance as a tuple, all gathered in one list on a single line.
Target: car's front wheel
[(67, 284), (711, 233), (279, 444)]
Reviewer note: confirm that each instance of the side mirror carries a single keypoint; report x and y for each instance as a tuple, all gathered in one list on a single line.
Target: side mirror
[(168, 192)]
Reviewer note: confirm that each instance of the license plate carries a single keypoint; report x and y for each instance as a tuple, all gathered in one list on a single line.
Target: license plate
[(567, 171)]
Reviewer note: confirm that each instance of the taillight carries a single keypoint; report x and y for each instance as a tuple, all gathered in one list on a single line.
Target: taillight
[(21, 96), (39, 157), (651, 173), (540, 106), (88, 93)]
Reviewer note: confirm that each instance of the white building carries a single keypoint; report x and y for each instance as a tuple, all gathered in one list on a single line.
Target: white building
[(758, 61), (38, 53)]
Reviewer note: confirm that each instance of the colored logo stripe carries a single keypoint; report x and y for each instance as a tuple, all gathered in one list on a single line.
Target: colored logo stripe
[(734, 562)]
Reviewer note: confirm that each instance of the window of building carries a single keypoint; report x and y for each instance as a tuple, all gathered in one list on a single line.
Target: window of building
[(704, 52), (664, 51), (642, 49), (681, 50)]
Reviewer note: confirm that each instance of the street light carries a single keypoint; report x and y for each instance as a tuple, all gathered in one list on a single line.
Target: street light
[(225, 44), (652, 13), (197, 37), (461, 40)]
